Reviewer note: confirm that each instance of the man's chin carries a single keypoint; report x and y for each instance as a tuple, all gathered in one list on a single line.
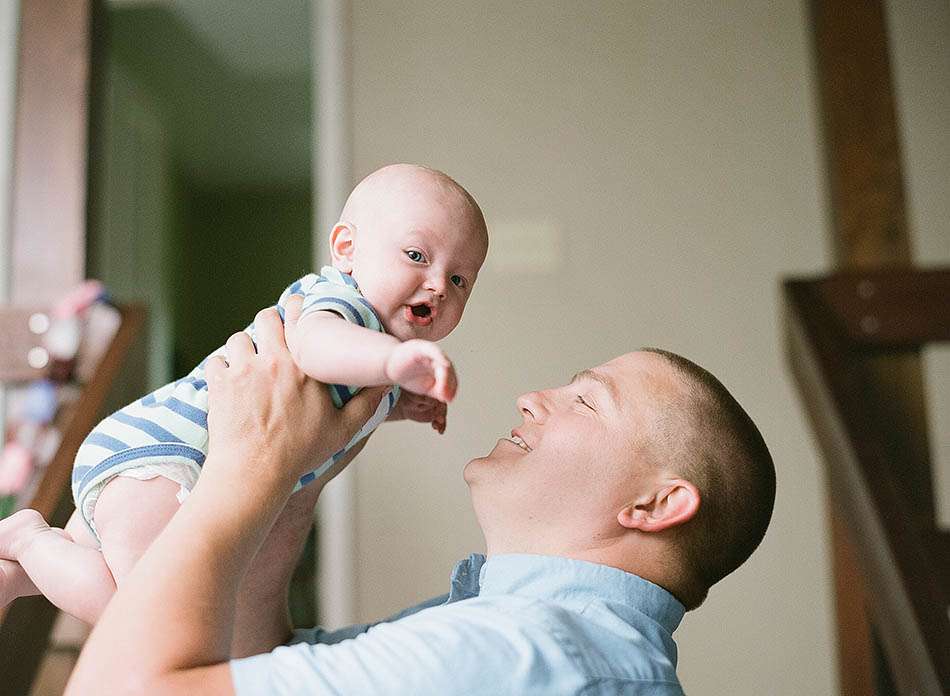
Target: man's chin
[(470, 471), (473, 471)]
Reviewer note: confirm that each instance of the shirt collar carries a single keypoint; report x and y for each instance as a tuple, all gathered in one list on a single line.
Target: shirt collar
[(571, 579), (338, 277)]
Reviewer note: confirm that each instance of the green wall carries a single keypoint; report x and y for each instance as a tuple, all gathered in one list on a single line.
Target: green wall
[(234, 252), (200, 202)]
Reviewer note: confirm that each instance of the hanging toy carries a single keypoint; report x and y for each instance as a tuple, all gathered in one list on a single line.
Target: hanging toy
[(64, 336), (16, 468)]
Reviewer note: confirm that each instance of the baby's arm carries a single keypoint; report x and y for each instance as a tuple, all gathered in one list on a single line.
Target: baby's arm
[(333, 350)]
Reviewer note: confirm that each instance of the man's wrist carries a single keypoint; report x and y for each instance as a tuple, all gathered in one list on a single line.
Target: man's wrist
[(232, 469)]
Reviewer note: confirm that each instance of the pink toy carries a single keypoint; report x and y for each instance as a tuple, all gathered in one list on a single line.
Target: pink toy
[(79, 299), (16, 468)]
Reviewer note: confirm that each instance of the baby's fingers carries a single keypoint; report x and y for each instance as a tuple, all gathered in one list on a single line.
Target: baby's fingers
[(438, 419), (446, 383)]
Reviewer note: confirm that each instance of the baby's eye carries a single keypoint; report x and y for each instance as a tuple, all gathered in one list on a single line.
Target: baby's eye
[(415, 255), (458, 281)]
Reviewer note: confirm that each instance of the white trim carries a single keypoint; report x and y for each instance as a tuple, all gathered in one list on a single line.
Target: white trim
[(10, 41), (336, 540)]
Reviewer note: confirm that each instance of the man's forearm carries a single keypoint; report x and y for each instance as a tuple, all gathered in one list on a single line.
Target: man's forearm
[(182, 610), (262, 619)]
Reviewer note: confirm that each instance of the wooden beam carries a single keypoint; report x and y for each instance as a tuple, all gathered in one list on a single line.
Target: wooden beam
[(896, 563), (48, 245), (869, 230), (862, 145), (48, 231)]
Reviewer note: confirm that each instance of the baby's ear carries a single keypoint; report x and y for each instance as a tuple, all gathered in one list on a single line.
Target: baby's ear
[(341, 246)]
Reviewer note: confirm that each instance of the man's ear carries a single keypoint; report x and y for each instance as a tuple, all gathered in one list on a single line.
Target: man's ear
[(674, 503), (342, 246)]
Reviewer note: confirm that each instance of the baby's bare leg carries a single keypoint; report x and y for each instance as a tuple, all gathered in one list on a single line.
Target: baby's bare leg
[(65, 566), (129, 515), (50, 561), (14, 582)]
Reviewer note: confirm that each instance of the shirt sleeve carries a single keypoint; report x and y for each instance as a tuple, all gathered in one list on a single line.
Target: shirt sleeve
[(477, 647), (427, 654), (322, 294), (321, 635)]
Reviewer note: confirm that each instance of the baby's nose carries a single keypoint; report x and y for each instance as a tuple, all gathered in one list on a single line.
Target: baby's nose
[(436, 283)]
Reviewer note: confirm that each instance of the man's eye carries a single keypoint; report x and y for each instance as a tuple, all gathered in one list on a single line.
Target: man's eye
[(580, 400), (415, 255), (458, 280)]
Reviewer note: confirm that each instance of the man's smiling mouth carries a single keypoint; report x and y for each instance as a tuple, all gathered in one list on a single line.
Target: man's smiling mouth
[(518, 441)]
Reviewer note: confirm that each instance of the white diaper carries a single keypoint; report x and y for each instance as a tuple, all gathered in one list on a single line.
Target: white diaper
[(185, 475)]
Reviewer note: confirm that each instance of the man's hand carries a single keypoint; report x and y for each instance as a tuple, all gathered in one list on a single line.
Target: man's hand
[(422, 409), (422, 368), (262, 408)]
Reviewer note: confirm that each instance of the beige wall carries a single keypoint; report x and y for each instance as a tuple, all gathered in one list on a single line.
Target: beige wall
[(672, 149), (919, 34)]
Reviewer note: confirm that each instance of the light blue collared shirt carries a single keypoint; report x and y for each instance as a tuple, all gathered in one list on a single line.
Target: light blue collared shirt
[(531, 625)]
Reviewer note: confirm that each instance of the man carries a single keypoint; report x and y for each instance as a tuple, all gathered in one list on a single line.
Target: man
[(615, 505)]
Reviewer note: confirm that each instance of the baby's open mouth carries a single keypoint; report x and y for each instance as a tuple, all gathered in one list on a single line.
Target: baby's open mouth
[(420, 314)]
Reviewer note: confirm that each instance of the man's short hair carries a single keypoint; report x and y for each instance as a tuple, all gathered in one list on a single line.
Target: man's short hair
[(709, 440)]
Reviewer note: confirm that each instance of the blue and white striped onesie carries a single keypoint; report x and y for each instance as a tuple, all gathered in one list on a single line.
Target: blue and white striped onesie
[(166, 432)]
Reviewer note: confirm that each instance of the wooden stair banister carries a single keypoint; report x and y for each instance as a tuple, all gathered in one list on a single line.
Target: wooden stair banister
[(25, 625), (835, 327)]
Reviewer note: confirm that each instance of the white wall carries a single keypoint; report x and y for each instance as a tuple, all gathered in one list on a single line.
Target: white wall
[(673, 148), (9, 30)]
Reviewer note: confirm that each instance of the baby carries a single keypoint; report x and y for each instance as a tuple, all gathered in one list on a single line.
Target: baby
[(406, 253)]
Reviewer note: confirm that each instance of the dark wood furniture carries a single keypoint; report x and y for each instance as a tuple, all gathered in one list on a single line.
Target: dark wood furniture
[(841, 329)]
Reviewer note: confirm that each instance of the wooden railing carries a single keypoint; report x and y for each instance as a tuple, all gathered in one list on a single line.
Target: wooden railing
[(839, 327), (25, 625)]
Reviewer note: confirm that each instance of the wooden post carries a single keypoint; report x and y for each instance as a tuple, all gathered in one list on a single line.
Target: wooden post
[(48, 233), (869, 227), (48, 240)]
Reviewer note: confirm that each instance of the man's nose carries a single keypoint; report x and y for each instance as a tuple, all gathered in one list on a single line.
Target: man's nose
[(531, 406)]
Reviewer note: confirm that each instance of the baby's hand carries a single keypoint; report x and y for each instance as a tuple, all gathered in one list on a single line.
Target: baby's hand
[(422, 409), (422, 368)]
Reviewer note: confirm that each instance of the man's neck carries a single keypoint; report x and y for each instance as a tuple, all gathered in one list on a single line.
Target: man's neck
[(643, 556)]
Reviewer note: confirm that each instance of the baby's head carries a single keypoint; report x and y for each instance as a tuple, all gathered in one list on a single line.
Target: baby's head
[(413, 240)]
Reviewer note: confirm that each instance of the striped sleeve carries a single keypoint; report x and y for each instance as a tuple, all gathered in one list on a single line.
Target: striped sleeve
[(342, 299)]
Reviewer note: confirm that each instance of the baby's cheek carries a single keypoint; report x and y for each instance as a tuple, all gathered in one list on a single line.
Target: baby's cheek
[(453, 315)]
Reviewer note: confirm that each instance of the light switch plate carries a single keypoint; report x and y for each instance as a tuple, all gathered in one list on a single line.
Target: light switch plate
[(525, 246)]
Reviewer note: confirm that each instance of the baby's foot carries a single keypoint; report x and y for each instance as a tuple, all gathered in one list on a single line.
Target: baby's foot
[(13, 582), (17, 530)]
